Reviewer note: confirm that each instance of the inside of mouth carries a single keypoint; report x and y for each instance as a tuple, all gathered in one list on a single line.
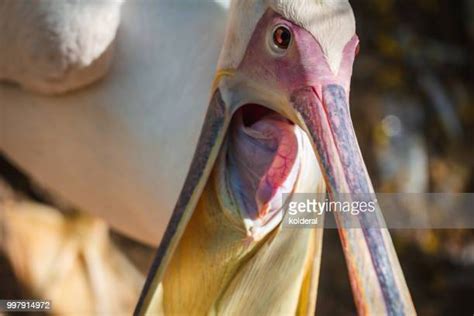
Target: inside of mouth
[(252, 113), (261, 162)]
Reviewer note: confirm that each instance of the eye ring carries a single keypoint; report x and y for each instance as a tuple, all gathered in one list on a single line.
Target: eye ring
[(281, 39)]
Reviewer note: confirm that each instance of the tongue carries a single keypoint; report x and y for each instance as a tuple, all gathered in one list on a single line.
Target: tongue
[(261, 160)]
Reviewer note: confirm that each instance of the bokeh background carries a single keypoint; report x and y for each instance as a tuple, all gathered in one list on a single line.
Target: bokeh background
[(412, 103)]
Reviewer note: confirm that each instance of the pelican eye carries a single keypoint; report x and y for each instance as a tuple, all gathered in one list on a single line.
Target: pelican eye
[(281, 37)]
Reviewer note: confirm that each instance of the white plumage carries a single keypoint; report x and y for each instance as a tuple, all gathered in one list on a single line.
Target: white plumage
[(121, 148)]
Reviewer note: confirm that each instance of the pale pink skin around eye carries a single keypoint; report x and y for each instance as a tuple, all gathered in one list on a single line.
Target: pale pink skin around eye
[(304, 63)]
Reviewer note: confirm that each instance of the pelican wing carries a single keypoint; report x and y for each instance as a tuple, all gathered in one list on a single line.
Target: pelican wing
[(121, 148)]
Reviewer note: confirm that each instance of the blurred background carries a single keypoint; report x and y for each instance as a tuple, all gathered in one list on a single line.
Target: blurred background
[(412, 104)]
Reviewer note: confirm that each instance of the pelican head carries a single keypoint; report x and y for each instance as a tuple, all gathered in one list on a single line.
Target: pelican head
[(278, 122)]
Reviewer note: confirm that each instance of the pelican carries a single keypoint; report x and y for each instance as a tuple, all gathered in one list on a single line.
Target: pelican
[(277, 122), (284, 71)]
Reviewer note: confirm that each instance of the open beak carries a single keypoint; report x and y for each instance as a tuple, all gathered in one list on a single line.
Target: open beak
[(376, 277)]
